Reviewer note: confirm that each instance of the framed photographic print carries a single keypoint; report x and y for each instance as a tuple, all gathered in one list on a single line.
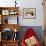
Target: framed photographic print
[(29, 13), (5, 12)]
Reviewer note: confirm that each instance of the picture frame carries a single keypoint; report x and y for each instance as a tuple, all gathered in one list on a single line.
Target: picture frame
[(29, 13), (5, 12)]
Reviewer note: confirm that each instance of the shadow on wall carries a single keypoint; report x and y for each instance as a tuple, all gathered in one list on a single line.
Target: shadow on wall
[(37, 29)]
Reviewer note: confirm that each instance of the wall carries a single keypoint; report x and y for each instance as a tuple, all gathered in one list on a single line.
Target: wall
[(27, 4), (39, 13)]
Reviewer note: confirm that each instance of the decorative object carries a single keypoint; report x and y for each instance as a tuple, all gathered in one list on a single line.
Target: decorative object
[(5, 12), (29, 13), (6, 21), (0, 12), (7, 34), (15, 37), (15, 30), (13, 12), (15, 3)]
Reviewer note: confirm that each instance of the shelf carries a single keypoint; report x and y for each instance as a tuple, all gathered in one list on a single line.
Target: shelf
[(10, 41), (5, 8), (10, 19), (7, 23), (11, 26), (9, 10)]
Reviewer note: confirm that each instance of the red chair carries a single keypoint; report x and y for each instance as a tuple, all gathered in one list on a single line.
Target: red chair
[(29, 33)]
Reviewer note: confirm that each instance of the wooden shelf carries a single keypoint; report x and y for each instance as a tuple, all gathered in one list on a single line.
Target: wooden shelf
[(5, 24), (5, 8), (5, 12), (11, 26), (9, 43)]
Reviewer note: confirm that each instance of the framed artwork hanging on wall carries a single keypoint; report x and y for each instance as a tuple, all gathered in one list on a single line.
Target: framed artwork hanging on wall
[(29, 13), (5, 12)]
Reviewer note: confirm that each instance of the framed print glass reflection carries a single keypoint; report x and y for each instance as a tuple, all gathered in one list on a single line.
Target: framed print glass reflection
[(29, 13)]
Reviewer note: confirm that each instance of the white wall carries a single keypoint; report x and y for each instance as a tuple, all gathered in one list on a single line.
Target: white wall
[(39, 12), (27, 4), (7, 3)]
